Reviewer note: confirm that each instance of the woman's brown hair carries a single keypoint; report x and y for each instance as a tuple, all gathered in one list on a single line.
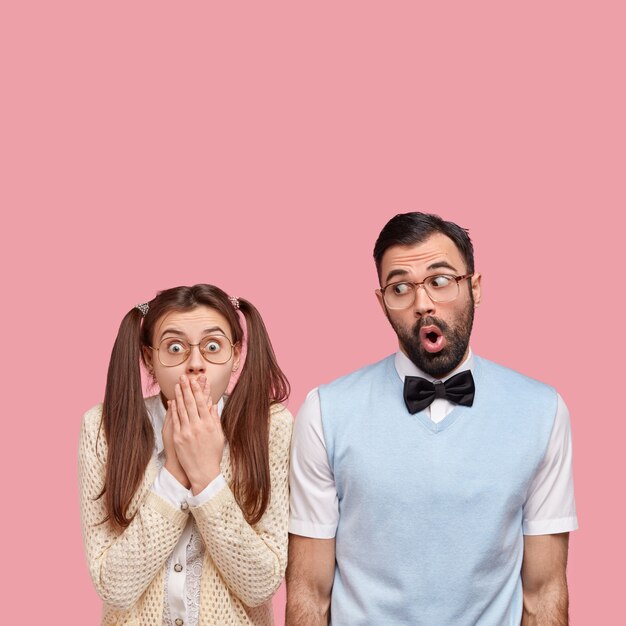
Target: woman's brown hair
[(245, 418)]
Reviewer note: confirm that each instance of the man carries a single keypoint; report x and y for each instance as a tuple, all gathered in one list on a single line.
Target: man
[(432, 488)]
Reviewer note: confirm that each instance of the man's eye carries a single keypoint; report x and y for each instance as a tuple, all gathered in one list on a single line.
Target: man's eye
[(439, 282), (401, 289)]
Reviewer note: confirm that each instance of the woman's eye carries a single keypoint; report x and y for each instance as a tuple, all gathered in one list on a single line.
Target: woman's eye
[(401, 289), (440, 281), (212, 345), (176, 347)]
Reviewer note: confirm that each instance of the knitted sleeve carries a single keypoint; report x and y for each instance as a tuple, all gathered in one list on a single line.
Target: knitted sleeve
[(252, 559), (121, 565)]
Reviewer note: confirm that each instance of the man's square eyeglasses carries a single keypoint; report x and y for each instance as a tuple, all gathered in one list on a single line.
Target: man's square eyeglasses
[(439, 288)]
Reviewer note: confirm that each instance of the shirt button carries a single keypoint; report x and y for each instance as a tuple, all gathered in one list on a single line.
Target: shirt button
[(184, 506), (178, 621), (178, 568)]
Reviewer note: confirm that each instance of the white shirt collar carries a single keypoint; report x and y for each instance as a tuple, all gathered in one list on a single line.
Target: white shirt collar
[(406, 367), (156, 412)]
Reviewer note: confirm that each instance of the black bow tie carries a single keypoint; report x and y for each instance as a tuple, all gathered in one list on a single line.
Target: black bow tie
[(420, 393)]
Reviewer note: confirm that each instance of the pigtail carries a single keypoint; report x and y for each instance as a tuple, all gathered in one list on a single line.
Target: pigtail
[(246, 417), (127, 428)]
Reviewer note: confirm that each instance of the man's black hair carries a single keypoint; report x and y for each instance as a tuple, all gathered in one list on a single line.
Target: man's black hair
[(407, 229)]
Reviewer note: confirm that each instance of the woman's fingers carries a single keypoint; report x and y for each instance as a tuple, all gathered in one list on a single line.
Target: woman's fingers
[(189, 398), (182, 406), (201, 404), (167, 422), (174, 415), (179, 403), (215, 416), (206, 389)]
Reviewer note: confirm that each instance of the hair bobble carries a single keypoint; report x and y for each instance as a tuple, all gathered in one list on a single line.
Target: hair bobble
[(143, 307), (234, 300)]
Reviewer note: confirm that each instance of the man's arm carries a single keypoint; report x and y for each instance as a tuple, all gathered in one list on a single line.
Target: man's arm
[(310, 573), (543, 580)]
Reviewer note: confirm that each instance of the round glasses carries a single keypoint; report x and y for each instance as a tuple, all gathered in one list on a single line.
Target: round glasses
[(439, 288), (215, 349)]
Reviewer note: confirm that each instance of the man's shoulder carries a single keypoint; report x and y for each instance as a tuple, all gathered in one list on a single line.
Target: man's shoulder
[(512, 379), (358, 376)]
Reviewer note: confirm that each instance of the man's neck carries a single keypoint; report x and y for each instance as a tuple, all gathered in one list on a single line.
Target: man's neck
[(406, 367)]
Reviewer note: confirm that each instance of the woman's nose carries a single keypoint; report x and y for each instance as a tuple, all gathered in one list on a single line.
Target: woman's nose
[(196, 362)]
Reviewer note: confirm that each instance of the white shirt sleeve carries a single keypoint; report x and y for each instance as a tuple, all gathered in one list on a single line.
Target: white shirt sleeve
[(550, 507), (166, 486), (314, 504), (211, 490)]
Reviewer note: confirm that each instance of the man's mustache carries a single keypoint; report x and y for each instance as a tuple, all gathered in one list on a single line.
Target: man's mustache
[(430, 321)]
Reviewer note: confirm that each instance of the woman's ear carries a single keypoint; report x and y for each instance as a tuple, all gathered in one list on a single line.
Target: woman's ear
[(236, 356), (147, 359)]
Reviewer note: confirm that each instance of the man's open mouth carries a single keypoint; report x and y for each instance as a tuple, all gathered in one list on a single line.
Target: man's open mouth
[(431, 338)]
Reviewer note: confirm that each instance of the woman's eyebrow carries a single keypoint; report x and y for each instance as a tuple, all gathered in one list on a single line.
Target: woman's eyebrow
[(208, 331), (173, 331), (180, 333)]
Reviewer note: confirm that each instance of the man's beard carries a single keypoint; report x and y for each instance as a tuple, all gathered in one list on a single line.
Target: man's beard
[(437, 364)]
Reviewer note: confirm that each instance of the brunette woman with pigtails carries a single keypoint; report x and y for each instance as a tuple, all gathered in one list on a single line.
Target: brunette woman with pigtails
[(184, 495)]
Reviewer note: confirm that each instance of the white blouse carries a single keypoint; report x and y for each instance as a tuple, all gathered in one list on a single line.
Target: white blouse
[(184, 565)]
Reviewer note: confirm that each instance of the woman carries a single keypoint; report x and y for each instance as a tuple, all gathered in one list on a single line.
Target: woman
[(184, 495)]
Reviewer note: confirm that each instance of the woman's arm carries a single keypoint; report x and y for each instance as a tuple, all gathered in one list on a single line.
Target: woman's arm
[(122, 565), (252, 559)]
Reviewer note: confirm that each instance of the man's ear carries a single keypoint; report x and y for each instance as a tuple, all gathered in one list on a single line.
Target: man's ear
[(379, 297), (476, 290), (381, 301)]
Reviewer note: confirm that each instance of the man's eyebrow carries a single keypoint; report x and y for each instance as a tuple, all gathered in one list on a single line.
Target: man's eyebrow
[(441, 264), (433, 266), (394, 273)]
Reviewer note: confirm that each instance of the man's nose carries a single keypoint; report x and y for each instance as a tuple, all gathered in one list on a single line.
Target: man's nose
[(195, 362), (423, 305)]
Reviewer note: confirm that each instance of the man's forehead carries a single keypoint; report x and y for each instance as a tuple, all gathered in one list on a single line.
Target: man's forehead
[(435, 248)]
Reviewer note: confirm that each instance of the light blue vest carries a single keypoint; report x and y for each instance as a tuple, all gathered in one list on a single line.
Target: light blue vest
[(430, 528)]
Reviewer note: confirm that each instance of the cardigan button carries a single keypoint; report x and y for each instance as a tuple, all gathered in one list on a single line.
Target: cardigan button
[(178, 568), (178, 621), (184, 506)]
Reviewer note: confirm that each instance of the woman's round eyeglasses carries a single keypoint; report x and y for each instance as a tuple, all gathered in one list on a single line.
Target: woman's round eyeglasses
[(215, 349)]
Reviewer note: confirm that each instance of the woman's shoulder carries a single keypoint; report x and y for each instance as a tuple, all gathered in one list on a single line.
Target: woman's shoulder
[(92, 418), (281, 424), (280, 415), (91, 441)]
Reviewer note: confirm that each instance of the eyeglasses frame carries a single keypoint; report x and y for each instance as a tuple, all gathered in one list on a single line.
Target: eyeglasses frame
[(192, 345), (416, 285)]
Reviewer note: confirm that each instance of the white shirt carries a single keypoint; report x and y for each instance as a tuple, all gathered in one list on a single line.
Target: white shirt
[(549, 508), (184, 565)]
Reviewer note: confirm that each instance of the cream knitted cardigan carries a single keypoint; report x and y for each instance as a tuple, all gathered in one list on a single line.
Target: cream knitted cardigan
[(243, 565)]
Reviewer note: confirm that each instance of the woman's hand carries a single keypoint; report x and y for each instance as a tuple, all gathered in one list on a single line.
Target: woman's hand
[(172, 464), (197, 433)]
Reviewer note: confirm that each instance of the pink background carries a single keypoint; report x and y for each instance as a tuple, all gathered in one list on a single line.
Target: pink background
[(262, 147)]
